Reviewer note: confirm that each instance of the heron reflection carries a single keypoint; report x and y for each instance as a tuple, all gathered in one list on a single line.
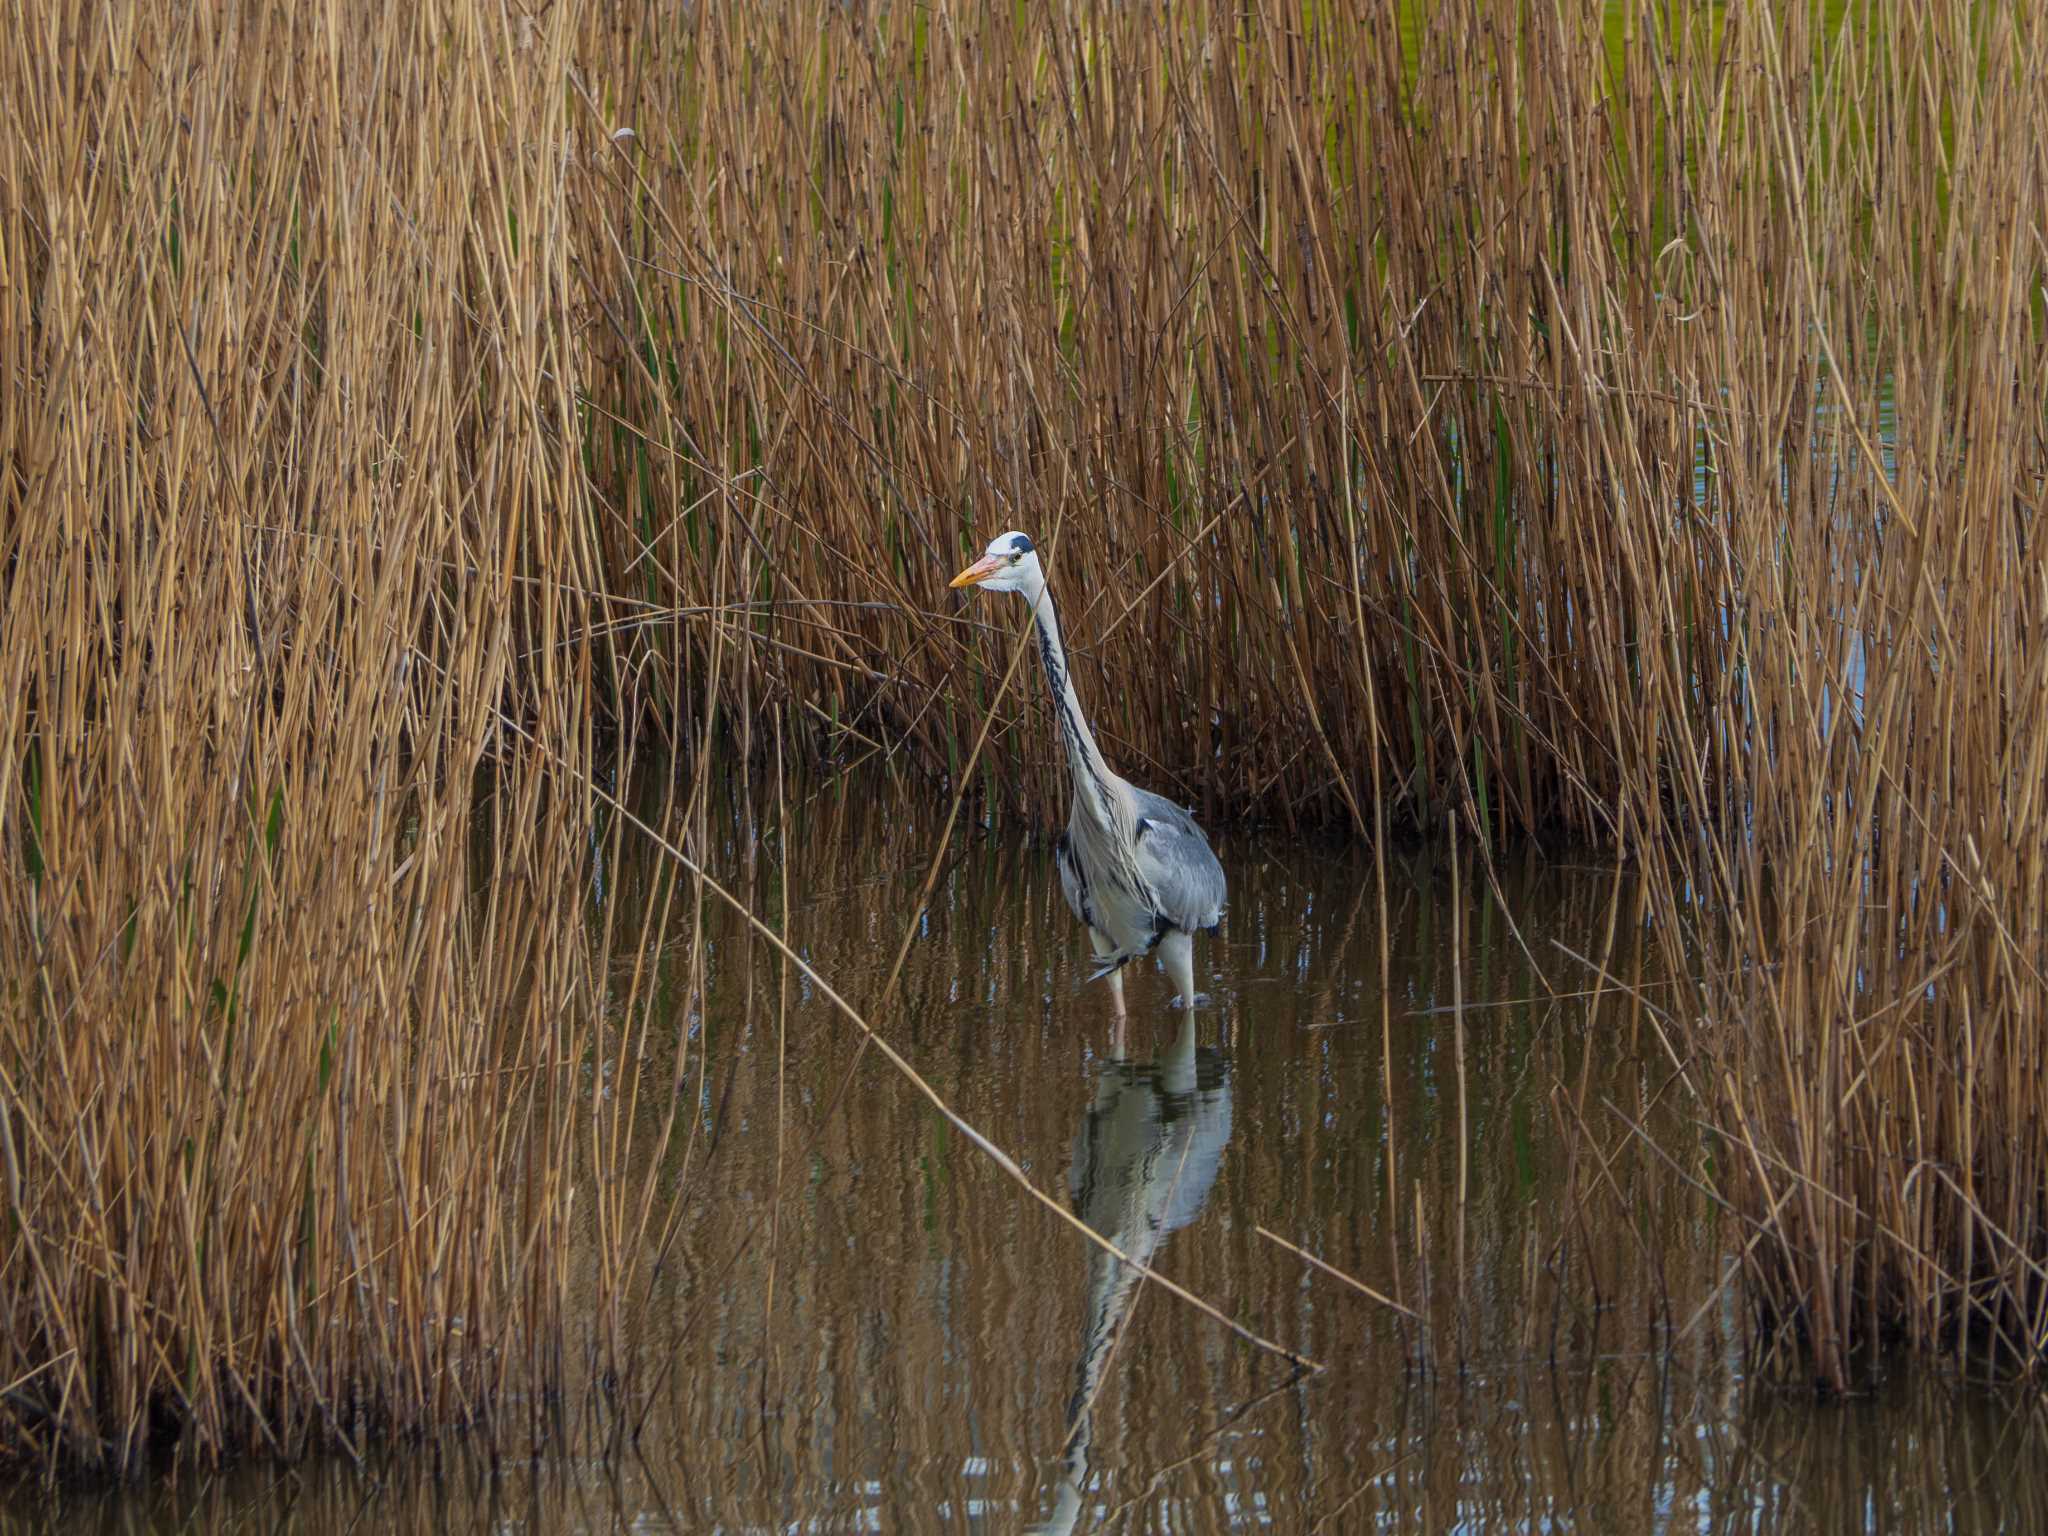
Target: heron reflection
[(1145, 1159)]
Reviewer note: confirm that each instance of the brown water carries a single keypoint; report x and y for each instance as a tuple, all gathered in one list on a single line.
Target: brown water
[(902, 1340)]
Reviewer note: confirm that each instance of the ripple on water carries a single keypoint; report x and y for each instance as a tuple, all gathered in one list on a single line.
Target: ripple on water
[(942, 1353)]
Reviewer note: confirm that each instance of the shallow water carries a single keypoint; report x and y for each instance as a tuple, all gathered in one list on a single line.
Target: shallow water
[(901, 1339)]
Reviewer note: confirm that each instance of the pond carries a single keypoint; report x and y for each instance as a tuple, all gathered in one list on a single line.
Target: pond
[(864, 1323)]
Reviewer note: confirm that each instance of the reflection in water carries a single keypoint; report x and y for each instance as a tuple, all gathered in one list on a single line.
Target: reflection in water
[(860, 1325), (1145, 1159), (1915, 1456)]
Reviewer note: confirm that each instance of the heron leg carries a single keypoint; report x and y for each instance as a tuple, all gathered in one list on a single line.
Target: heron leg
[(1099, 942), (1177, 954)]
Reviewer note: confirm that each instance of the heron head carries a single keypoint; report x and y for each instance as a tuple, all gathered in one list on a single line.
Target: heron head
[(1009, 564)]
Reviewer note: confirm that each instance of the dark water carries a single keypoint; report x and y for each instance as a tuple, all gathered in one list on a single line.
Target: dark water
[(865, 1324)]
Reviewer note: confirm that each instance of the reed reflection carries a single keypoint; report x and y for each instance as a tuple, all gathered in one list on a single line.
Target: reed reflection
[(1145, 1160)]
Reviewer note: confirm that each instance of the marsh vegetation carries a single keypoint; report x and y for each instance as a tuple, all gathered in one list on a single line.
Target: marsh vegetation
[(1499, 431)]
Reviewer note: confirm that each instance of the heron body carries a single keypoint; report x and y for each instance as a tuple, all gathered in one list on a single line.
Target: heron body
[(1134, 866)]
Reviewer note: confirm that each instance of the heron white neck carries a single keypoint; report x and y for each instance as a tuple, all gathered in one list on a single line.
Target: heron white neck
[(1091, 774)]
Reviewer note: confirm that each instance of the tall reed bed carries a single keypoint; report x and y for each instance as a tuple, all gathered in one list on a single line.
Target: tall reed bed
[(1631, 431), (311, 1043)]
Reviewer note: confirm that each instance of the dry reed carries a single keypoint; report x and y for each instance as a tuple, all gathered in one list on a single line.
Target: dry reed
[(1632, 433), (1629, 432), (304, 1011)]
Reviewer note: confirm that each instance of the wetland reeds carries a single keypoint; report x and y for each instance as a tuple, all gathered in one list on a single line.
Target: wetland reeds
[(1628, 431), (1631, 432), (304, 995)]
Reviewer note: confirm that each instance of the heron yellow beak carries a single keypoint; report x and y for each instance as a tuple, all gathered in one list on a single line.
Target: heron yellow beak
[(981, 570)]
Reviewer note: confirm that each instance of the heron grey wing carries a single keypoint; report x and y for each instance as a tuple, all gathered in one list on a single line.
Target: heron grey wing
[(1175, 858)]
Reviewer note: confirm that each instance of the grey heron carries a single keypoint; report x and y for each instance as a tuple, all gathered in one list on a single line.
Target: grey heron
[(1135, 867)]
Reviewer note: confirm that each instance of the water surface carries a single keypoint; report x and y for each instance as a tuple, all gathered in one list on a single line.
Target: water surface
[(864, 1324)]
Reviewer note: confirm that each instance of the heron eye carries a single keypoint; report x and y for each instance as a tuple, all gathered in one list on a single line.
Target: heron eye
[(1015, 558)]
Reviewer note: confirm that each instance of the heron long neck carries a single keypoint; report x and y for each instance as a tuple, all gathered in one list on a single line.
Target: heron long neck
[(1084, 759)]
